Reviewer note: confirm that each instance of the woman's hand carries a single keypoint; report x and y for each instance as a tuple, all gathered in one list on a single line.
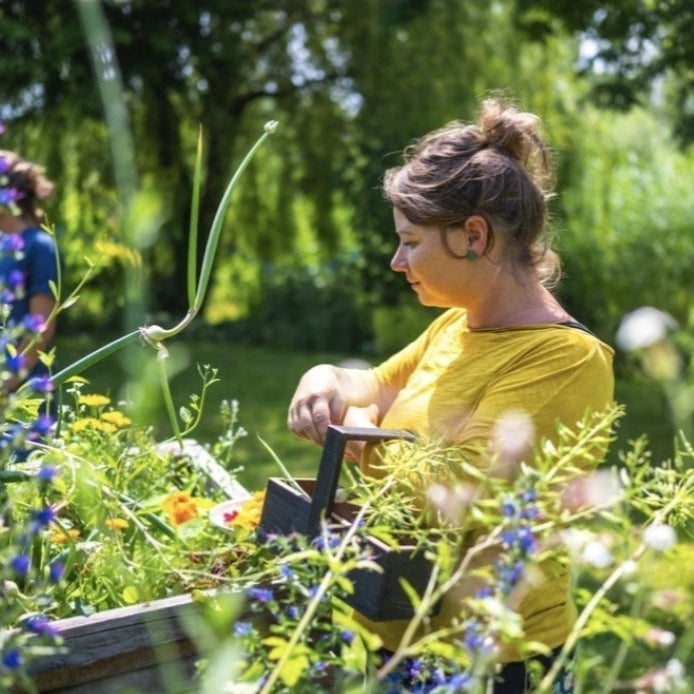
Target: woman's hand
[(317, 403), (323, 396)]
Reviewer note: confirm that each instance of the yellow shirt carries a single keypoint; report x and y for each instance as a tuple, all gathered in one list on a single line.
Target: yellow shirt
[(453, 385)]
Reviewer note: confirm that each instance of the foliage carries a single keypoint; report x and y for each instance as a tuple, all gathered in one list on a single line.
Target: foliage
[(312, 308), (624, 213), (630, 47)]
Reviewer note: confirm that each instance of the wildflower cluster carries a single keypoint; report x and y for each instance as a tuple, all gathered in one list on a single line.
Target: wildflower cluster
[(27, 583), (8, 194)]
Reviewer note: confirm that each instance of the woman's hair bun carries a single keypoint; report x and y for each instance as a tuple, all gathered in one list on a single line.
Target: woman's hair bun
[(517, 134)]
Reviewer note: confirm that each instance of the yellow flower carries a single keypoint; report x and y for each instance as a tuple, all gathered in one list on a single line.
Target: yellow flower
[(116, 523), (248, 516), (93, 400), (180, 507), (92, 423), (116, 418), (60, 537)]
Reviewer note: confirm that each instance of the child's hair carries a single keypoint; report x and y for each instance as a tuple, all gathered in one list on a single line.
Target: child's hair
[(29, 182)]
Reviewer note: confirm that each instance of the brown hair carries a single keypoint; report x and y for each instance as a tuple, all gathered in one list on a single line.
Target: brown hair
[(498, 168), (29, 181)]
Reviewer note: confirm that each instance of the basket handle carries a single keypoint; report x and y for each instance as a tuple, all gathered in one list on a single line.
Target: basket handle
[(331, 462)]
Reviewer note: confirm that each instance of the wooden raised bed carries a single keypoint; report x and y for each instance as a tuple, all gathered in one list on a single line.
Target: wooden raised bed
[(144, 648)]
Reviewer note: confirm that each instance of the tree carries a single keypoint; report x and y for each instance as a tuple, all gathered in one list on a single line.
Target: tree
[(630, 46)]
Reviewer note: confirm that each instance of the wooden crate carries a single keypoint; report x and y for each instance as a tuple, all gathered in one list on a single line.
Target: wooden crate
[(377, 595)]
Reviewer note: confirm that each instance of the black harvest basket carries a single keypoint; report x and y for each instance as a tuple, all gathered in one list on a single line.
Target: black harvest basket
[(377, 595)]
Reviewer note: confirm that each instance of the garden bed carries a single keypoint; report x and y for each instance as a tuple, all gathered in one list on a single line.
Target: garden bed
[(144, 648)]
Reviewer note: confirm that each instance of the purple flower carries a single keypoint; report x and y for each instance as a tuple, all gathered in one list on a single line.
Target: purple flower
[(347, 636), (12, 659), (21, 564), (261, 594), (41, 384), (34, 322), (39, 624), (8, 196), (42, 425), (11, 243)]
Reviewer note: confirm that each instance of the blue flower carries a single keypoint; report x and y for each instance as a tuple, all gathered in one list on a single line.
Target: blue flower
[(8, 196), (55, 571), (15, 280), (474, 636), (14, 363), (293, 612), (347, 636), (21, 564), (286, 572), (39, 624), (42, 425), (47, 473), (261, 594), (508, 509), (242, 629), (11, 243), (41, 384), (12, 659), (42, 518), (34, 322)]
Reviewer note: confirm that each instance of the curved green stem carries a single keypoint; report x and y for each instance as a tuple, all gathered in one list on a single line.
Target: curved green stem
[(93, 357), (166, 392)]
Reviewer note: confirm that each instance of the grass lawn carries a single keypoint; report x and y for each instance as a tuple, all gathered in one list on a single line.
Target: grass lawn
[(263, 380)]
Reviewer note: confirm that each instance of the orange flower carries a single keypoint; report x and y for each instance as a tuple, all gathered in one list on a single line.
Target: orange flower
[(60, 537), (180, 507)]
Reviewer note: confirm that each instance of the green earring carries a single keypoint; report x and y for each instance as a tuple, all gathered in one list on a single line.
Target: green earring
[(471, 255)]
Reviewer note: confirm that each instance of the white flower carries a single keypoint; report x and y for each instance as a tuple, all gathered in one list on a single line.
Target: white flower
[(513, 434), (597, 554), (643, 327), (659, 537)]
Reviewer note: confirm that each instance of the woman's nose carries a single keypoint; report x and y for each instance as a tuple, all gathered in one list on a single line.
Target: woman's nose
[(398, 262)]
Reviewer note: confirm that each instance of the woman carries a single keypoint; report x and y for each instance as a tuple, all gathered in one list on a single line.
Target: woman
[(28, 264), (470, 208)]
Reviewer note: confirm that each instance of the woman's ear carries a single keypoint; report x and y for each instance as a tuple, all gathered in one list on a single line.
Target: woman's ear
[(476, 231)]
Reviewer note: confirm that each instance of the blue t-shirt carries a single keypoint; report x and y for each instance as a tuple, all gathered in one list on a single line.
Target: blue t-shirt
[(34, 266)]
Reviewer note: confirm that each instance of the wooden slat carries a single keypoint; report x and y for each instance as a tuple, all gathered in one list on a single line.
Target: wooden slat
[(144, 647)]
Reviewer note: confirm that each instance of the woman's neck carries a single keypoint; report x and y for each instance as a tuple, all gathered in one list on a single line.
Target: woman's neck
[(517, 303)]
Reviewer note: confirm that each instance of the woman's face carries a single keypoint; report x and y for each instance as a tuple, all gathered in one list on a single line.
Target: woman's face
[(438, 278)]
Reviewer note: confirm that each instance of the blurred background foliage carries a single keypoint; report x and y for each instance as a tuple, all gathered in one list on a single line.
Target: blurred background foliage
[(303, 263)]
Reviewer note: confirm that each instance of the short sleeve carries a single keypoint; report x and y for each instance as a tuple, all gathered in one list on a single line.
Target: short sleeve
[(41, 264)]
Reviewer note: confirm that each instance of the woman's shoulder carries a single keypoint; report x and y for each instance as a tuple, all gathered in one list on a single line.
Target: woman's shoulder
[(38, 238)]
